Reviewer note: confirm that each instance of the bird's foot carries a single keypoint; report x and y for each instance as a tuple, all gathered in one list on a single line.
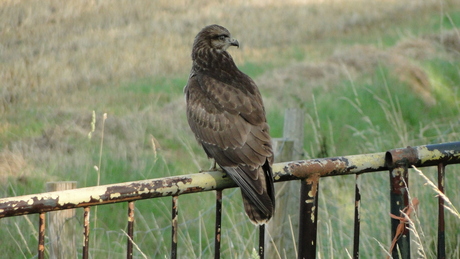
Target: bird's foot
[(213, 168)]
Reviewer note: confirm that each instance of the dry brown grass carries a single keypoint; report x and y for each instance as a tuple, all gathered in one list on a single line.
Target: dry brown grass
[(13, 165), (52, 49)]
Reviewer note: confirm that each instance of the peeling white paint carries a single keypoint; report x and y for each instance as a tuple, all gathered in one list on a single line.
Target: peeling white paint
[(115, 195), (145, 190), (427, 155), (312, 215), (70, 197)]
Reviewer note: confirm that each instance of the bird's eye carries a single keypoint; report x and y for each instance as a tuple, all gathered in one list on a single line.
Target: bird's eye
[(222, 37)]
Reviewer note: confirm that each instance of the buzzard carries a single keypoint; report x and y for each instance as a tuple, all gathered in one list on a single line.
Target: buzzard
[(226, 113)]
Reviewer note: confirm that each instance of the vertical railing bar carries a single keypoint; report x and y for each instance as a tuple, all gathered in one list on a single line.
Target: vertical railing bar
[(357, 223), (262, 241), (174, 212), (399, 198), (441, 227), (217, 232), (86, 226), (308, 215), (41, 235), (129, 249)]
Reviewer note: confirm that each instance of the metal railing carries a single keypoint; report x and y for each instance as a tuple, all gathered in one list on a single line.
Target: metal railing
[(309, 172)]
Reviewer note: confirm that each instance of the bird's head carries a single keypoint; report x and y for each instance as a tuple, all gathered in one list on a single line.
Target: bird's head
[(215, 37)]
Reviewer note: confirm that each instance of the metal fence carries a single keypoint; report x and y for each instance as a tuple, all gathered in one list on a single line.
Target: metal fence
[(309, 172)]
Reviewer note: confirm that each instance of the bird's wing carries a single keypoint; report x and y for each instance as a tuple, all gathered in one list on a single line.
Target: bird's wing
[(226, 116)]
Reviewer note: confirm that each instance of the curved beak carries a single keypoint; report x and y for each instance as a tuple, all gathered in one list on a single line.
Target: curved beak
[(234, 42)]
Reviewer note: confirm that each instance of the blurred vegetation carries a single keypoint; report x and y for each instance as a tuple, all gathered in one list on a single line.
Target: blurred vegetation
[(370, 76)]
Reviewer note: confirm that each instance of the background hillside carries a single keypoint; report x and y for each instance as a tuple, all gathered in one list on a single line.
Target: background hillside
[(370, 76)]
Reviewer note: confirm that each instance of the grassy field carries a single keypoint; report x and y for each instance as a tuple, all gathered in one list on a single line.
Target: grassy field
[(370, 76)]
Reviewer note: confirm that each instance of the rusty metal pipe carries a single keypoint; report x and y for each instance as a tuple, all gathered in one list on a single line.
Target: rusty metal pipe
[(121, 192), (429, 155)]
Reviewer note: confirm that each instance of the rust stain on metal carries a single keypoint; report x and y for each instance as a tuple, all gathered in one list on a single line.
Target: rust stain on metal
[(86, 215), (121, 192), (174, 219), (401, 156), (41, 250), (313, 181), (42, 226), (321, 167), (166, 187), (131, 211), (397, 180), (41, 236), (174, 227)]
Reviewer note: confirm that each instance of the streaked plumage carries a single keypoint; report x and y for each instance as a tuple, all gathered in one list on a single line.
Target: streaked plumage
[(226, 113)]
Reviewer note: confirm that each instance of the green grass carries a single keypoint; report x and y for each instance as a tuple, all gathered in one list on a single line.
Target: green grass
[(363, 110), (445, 76), (43, 133), (451, 20)]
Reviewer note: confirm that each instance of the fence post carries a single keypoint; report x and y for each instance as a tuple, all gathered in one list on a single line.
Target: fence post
[(288, 148), (61, 226)]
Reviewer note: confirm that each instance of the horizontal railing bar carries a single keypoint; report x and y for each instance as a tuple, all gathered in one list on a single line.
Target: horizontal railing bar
[(448, 153), (428, 155), (112, 193)]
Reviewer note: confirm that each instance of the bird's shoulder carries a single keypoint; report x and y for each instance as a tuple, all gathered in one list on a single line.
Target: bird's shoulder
[(232, 95)]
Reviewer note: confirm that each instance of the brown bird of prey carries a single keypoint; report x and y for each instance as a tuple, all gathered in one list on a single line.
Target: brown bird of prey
[(227, 115)]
